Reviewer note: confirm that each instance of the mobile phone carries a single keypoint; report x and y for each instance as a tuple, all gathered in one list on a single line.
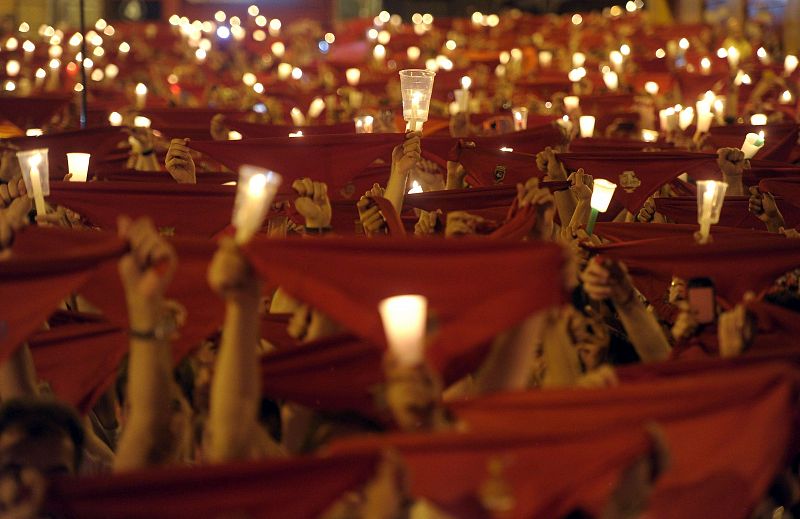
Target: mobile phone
[(702, 299)]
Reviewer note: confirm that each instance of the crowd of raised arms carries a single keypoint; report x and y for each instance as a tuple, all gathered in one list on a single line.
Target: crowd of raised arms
[(574, 357)]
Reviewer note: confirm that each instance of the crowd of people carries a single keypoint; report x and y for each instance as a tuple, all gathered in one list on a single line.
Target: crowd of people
[(636, 357)]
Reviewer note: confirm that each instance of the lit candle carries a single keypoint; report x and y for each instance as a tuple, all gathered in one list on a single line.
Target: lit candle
[(353, 76), (233, 135), (255, 190), (34, 132), (704, 116), (413, 53), (364, 124), (752, 143), (578, 59), (404, 319), (586, 123), (115, 118), (33, 164), (611, 79), (652, 88), (710, 197), (705, 66), (379, 52), (141, 122), (602, 191), (141, 95), (786, 97), (284, 71), (649, 135), (790, 64), (545, 58), (520, 114), (78, 164), (316, 107), (758, 119), (462, 95), (733, 56), (686, 117), (763, 56), (616, 58), (416, 87), (571, 103), (298, 133), (415, 188)]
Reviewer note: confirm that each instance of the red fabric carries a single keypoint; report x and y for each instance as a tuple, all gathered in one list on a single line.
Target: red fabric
[(518, 224), (779, 140), (393, 223), (204, 309), (255, 490), (46, 266), (100, 142), (130, 175), (79, 361), (736, 262), (335, 374), (472, 199), (653, 169), (186, 209), (621, 232), (480, 166), (334, 159), (337, 276), (728, 429), (259, 130), (693, 85), (601, 144), (32, 111), (547, 475), (787, 188), (754, 175), (735, 213)]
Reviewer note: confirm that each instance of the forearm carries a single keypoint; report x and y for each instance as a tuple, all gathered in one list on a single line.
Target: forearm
[(147, 162), (580, 217), (509, 364), (396, 189), (561, 361), (236, 391), (566, 206), (735, 185), (18, 375), (643, 331)]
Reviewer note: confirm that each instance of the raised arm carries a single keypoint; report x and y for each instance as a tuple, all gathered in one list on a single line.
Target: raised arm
[(610, 280), (547, 163), (146, 272), (235, 390), (404, 159)]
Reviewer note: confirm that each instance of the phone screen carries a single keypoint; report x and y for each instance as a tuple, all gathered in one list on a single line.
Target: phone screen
[(701, 301)]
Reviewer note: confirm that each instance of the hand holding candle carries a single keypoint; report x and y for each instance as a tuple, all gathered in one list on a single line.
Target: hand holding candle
[(416, 86), (520, 114), (255, 192), (602, 191), (36, 175), (752, 143), (404, 318), (710, 197)]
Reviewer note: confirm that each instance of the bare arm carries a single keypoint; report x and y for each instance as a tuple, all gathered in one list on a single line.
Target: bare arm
[(145, 441), (235, 390), (404, 158)]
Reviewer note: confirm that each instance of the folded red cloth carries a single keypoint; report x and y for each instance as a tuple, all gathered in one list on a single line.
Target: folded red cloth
[(735, 212), (31, 111), (786, 188), (779, 139)]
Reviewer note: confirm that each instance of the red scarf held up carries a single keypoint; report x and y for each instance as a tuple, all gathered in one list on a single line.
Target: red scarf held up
[(736, 262), (46, 266), (735, 212), (779, 139), (338, 277), (180, 209), (787, 188), (299, 488), (32, 111), (712, 471)]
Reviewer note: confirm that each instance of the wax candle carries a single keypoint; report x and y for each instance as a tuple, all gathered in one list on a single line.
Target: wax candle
[(752, 143), (141, 95), (520, 114), (256, 189), (586, 123), (78, 164), (404, 319)]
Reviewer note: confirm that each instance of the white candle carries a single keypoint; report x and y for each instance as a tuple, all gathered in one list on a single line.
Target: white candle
[(413, 53), (545, 58), (649, 135), (353, 76), (686, 117), (141, 96), (705, 66), (316, 107), (786, 97), (602, 191), (752, 143), (704, 122), (256, 189), (571, 103), (416, 97), (652, 88), (404, 319), (520, 114), (233, 135), (611, 79), (586, 123), (758, 119), (78, 164), (790, 64), (298, 119), (617, 59), (141, 122), (284, 71), (578, 59), (364, 124), (733, 57)]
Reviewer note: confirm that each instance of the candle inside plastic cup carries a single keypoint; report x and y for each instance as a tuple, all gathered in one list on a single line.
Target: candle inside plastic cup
[(404, 318), (416, 86), (78, 166)]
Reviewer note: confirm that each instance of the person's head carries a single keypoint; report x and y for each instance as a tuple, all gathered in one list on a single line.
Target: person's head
[(40, 434)]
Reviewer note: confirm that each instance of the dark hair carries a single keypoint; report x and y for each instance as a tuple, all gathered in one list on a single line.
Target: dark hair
[(38, 418)]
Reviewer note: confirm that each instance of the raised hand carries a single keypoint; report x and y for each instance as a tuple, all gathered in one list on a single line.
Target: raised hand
[(145, 271), (12, 219), (607, 280), (530, 194), (581, 186), (732, 163), (179, 162), (370, 216), (312, 202), (230, 274), (763, 207), (734, 331), (461, 223), (405, 156), (217, 129), (547, 163)]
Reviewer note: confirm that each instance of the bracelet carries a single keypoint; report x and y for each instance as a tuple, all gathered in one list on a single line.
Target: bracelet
[(147, 336), (148, 152), (318, 230)]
